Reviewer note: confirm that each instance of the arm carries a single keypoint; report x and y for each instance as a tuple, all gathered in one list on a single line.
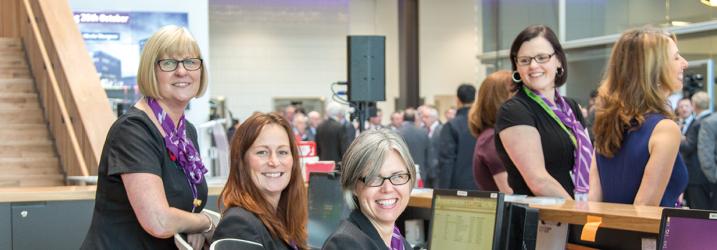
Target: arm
[(663, 147), (688, 143), (595, 193), (146, 195), (522, 143), (706, 149), (501, 180)]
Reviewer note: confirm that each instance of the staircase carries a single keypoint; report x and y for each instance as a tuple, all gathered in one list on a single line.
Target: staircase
[(27, 153)]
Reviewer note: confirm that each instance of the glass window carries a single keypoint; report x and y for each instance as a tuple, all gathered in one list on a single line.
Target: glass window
[(504, 19)]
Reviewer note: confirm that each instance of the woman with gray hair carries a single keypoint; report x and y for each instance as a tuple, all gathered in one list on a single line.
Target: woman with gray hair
[(377, 179)]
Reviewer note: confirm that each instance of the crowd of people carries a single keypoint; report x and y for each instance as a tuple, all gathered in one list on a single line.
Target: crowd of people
[(515, 134)]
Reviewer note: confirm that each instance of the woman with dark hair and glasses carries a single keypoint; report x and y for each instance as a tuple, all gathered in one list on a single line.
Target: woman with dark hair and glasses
[(377, 179), (151, 179), (541, 136)]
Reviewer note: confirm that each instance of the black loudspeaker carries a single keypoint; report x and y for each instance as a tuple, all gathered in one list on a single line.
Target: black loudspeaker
[(367, 68)]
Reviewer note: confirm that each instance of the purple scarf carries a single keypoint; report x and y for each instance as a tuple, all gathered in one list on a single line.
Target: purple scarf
[(583, 148), (396, 239), (181, 149)]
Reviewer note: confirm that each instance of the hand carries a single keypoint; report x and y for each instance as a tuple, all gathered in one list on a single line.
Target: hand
[(196, 240)]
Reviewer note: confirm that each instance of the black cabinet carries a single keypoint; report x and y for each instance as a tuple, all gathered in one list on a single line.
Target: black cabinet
[(50, 225)]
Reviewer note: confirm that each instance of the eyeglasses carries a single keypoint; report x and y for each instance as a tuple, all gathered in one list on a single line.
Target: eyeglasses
[(540, 58), (169, 65), (396, 179)]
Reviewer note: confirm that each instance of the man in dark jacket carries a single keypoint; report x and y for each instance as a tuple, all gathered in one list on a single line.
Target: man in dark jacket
[(416, 140), (331, 138), (698, 192), (457, 145)]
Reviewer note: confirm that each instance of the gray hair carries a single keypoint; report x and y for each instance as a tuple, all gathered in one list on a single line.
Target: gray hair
[(334, 110), (701, 100), (365, 157)]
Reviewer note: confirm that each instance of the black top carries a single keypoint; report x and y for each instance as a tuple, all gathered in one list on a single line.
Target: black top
[(357, 233), (557, 146), (135, 145), (332, 140), (456, 154), (238, 223)]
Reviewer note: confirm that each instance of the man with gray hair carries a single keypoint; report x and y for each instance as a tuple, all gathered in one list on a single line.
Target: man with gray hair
[(433, 127), (701, 189), (331, 139)]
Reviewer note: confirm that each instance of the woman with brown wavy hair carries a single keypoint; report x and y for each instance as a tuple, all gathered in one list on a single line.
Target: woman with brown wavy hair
[(636, 137), (265, 199), (488, 169)]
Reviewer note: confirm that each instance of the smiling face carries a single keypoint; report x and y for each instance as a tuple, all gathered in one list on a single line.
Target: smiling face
[(538, 76), (383, 204), (179, 86), (270, 162), (677, 65)]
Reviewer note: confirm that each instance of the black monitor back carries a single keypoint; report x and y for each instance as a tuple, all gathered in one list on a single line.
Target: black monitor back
[(326, 206), (520, 227)]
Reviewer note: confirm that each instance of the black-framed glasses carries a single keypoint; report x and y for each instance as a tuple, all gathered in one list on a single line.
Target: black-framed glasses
[(540, 59), (169, 65), (396, 179)]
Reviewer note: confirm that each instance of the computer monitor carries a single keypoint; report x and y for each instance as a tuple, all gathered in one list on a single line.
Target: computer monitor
[(466, 220), (520, 227), (326, 207), (687, 229)]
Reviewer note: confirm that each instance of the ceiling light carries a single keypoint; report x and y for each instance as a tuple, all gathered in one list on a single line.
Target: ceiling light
[(711, 3)]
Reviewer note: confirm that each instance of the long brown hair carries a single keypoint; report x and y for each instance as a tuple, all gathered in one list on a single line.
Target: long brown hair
[(634, 85), (289, 221), (494, 90)]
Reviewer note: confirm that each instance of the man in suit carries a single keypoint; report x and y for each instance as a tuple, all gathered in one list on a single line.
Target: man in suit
[(433, 126), (396, 121), (416, 140), (457, 146), (698, 190), (331, 138)]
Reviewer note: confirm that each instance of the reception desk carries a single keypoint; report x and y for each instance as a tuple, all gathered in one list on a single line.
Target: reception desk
[(616, 216), (53, 217)]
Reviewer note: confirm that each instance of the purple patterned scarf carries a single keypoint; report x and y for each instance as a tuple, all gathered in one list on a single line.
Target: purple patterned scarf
[(583, 148), (180, 148), (396, 239)]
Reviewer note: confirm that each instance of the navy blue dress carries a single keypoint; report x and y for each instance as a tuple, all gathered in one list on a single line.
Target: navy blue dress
[(620, 176)]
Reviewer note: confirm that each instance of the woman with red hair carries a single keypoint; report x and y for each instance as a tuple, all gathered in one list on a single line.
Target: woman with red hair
[(265, 199)]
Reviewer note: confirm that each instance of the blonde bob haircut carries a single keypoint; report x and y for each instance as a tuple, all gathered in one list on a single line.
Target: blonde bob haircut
[(168, 41), (637, 77), (365, 157)]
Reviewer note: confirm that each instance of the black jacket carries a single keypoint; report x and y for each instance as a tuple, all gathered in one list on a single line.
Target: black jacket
[(457, 145), (357, 233), (688, 150), (238, 223), (331, 140)]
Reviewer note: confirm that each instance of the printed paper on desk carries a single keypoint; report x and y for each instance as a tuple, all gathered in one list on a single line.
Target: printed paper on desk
[(552, 235), (307, 148)]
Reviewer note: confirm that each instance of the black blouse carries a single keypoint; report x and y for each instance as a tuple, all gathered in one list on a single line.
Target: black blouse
[(357, 233), (135, 145), (557, 146)]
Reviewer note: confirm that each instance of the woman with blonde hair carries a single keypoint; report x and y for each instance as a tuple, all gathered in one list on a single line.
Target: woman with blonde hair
[(636, 137), (151, 182), (488, 169), (265, 199)]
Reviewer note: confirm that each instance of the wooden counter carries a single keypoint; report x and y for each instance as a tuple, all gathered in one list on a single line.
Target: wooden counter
[(616, 216), (63, 193)]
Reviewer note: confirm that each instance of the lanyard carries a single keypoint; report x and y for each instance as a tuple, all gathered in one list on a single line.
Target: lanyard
[(550, 112)]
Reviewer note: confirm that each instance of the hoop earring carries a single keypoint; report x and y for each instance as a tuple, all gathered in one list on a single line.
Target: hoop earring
[(516, 79), (560, 71)]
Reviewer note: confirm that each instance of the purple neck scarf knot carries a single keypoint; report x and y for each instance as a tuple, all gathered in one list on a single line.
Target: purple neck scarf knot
[(179, 146)]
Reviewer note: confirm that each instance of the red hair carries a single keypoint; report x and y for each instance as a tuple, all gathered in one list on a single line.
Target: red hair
[(289, 221)]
